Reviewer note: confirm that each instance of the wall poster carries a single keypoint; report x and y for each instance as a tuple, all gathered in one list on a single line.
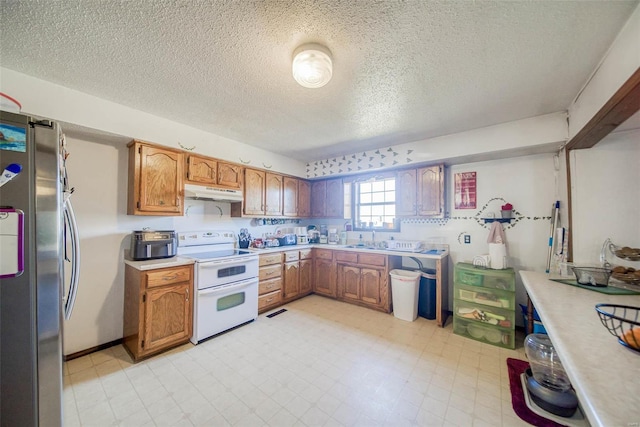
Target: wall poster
[(465, 190)]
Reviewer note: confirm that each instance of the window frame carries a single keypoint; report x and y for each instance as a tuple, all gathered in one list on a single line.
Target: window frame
[(354, 203)]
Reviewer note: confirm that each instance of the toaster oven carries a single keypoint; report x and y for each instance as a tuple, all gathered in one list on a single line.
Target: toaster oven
[(153, 245)]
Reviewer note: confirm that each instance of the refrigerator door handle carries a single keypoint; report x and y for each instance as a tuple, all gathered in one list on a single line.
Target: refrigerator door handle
[(70, 221)]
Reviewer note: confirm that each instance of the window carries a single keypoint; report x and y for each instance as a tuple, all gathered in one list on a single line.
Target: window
[(374, 203)]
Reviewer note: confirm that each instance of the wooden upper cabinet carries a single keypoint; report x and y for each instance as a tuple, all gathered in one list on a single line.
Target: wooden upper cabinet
[(290, 196), (209, 171), (420, 192), (430, 193), (201, 170), (254, 197), (406, 193), (273, 194), (156, 180), (229, 175), (318, 198), (304, 198), (327, 198), (334, 201)]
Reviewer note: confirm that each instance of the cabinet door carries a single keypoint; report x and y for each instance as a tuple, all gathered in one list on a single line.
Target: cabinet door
[(201, 170), (304, 199), (273, 194), (167, 318), (318, 198), (348, 280), (254, 202), (406, 192), (290, 196), (229, 175), (334, 203), (306, 271), (291, 280), (160, 181), (324, 282), (431, 191), (370, 281)]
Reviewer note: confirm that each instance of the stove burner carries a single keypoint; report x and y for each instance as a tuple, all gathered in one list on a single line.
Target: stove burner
[(211, 255)]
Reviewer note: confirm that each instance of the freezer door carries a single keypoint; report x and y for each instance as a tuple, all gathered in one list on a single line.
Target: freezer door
[(30, 303)]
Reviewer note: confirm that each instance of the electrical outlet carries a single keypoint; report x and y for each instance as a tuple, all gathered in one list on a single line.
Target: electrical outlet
[(467, 238)]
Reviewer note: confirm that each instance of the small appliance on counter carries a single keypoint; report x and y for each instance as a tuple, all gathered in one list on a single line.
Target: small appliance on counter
[(147, 244), (333, 236), (301, 235), (313, 233), (287, 240)]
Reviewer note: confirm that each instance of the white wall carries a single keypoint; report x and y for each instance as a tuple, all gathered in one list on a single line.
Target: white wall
[(620, 62), (606, 196), (98, 172), (45, 99), (529, 184)]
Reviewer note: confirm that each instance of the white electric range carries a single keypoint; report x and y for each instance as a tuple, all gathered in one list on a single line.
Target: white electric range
[(226, 282)]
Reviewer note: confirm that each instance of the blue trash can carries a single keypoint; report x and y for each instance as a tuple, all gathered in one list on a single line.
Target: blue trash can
[(427, 294), (538, 327)]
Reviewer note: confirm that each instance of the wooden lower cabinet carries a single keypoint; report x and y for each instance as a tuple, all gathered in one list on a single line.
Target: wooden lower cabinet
[(291, 280), (270, 281), (306, 276), (371, 283), (363, 279), (158, 309), (349, 282), (324, 280)]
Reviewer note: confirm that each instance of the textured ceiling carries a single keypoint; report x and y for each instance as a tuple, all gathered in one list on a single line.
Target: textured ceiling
[(403, 71)]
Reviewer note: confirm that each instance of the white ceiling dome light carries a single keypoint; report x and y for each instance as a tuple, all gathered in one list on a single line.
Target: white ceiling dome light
[(312, 65)]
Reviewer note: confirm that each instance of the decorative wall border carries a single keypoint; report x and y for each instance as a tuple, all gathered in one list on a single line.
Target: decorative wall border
[(365, 161), (479, 217)]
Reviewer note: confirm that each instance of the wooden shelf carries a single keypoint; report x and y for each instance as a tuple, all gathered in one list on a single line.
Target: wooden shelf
[(488, 220)]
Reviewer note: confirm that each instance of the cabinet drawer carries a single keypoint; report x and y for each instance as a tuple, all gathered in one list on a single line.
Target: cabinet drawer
[(291, 256), (489, 316), (324, 253), (306, 254), (485, 333), (267, 286), (372, 259), (347, 256), (268, 259), (468, 274), (270, 272), (486, 296), (168, 276), (269, 299)]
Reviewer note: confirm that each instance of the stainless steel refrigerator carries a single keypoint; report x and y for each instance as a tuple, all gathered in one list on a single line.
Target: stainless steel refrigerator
[(38, 240)]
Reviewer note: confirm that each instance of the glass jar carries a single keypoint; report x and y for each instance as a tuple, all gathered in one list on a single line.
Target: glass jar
[(545, 364)]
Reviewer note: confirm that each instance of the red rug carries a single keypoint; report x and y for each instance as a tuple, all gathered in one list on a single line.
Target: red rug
[(517, 367)]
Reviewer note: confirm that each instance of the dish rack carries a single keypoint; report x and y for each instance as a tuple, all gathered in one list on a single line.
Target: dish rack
[(404, 245)]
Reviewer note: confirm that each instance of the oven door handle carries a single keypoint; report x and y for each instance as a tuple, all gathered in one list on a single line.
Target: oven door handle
[(230, 287), (216, 263)]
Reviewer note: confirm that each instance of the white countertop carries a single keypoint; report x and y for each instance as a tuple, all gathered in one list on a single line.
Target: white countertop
[(440, 255), (605, 374), (159, 263)]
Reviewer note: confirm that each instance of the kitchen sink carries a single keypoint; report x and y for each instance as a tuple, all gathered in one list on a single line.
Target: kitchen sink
[(361, 247)]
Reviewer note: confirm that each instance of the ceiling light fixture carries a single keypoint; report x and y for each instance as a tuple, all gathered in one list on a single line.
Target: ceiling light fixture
[(312, 65)]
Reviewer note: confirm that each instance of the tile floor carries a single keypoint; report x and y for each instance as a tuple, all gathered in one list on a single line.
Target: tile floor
[(322, 362)]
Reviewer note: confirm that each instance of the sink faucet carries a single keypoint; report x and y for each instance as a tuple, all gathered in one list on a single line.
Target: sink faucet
[(373, 237)]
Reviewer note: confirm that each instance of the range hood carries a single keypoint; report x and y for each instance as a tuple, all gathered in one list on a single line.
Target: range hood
[(211, 193)]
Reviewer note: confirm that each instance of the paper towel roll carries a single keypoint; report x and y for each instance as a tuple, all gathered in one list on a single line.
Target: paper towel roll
[(498, 256)]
